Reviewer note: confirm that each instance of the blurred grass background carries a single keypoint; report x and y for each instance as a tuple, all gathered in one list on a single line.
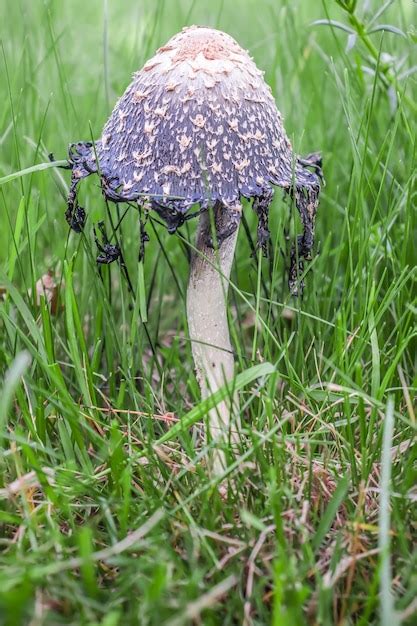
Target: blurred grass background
[(317, 525)]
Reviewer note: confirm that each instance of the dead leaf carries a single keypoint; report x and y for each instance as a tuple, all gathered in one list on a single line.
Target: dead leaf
[(26, 483)]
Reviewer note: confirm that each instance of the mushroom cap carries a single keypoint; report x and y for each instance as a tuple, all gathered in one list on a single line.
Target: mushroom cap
[(198, 124)]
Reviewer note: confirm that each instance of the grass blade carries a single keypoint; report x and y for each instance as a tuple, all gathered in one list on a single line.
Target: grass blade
[(30, 170), (388, 614), (201, 410), (12, 379), (331, 510)]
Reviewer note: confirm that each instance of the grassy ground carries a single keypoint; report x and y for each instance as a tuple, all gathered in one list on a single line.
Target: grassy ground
[(101, 523)]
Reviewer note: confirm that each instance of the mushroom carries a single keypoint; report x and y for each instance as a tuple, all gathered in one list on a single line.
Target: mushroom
[(198, 125)]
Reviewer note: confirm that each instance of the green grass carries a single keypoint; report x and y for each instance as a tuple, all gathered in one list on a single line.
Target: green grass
[(107, 512)]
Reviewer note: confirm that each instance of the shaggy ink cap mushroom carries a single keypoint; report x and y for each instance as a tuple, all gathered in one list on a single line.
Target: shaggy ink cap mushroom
[(198, 125)]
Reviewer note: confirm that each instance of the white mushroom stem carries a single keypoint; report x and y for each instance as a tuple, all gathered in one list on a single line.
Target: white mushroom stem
[(209, 331)]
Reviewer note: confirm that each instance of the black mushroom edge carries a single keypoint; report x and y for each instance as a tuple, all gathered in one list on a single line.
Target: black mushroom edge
[(303, 187)]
